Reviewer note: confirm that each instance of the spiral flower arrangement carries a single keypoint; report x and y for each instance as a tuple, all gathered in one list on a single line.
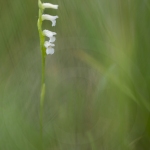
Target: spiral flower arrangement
[(51, 35)]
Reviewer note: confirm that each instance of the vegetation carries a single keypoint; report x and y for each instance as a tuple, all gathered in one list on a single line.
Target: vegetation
[(97, 81)]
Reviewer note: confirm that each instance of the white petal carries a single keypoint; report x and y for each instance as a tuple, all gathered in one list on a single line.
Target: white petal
[(50, 51), (48, 33), (49, 5), (52, 39), (48, 44), (53, 23)]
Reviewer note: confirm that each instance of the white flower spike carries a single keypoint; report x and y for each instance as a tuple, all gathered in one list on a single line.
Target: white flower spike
[(50, 18), (51, 35), (49, 5)]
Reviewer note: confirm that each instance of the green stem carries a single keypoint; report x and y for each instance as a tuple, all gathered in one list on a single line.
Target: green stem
[(42, 96)]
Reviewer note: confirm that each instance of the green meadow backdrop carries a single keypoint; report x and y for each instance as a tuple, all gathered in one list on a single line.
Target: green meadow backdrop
[(97, 81)]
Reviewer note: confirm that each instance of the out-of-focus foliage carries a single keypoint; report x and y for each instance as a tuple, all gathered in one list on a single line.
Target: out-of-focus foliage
[(97, 82)]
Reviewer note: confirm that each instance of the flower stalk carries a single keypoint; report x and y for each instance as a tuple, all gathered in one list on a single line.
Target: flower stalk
[(46, 48)]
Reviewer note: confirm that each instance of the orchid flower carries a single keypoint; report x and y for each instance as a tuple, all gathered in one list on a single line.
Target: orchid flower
[(50, 18), (49, 5), (48, 33), (49, 47)]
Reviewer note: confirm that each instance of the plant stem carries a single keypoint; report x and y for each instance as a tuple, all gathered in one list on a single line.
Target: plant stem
[(42, 96)]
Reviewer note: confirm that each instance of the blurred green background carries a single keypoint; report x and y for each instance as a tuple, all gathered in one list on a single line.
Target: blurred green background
[(97, 81)]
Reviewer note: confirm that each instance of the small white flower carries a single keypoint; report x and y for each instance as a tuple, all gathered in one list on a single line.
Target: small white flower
[(49, 5), (50, 50), (49, 47), (48, 33), (50, 18)]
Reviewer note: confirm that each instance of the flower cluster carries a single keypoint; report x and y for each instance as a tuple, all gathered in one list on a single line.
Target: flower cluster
[(51, 35)]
